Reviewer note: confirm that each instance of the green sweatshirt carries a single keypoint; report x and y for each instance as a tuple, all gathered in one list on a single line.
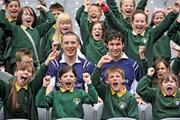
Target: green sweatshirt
[(20, 39), (26, 98), (119, 15), (162, 106), (66, 104), (132, 41), (176, 66), (114, 106)]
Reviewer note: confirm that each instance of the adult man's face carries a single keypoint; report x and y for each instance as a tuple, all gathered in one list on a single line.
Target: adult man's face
[(69, 45)]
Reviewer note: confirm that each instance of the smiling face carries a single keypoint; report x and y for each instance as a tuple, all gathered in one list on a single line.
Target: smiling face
[(94, 13), (127, 7), (13, 8), (169, 85), (27, 17), (67, 80), (139, 23), (69, 45), (158, 17), (115, 47), (97, 31), (115, 78)]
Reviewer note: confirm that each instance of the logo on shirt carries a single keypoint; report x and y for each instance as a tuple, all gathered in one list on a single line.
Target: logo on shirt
[(122, 105), (76, 101), (177, 101)]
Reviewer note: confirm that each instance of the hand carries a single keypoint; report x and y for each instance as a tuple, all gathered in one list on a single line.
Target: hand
[(100, 2), (176, 48), (42, 2), (51, 56), (140, 101), (46, 80), (103, 60), (41, 7), (151, 71), (147, 11), (141, 52), (86, 78)]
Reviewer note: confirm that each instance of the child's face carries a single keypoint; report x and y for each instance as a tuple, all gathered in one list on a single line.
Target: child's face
[(65, 27), (27, 18), (94, 13), (56, 12), (68, 80), (169, 87), (127, 7), (97, 31), (27, 58), (13, 9), (158, 17), (139, 23), (115, 48), (23, 76), (69, 45), (161, 70), (115, 81), (55, 45)]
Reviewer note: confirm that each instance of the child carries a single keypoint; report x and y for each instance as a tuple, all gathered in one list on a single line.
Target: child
[(118, 102), (94, 47), (56, 9), (19, 95), (67, 102), (25, 34), (140, 33), (63, 25), (165, 99)]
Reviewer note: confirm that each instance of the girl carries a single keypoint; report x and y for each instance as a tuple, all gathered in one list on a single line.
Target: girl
[(67, 102), (19, 95), (63, 25), (140, 33), (94, 46), (165, 98), (24, 33)]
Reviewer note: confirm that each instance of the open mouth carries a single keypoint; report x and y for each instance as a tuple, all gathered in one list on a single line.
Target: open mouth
[(24, 78), (97, 34), (115, 84), (169, 89), (28, 21), (68, 84)]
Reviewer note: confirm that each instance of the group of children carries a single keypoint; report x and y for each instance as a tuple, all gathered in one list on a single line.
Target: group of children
[(118, 58)]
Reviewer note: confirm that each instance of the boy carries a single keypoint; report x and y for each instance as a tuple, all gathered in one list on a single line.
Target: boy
[(165, 99), (118, 102), (56, 9)]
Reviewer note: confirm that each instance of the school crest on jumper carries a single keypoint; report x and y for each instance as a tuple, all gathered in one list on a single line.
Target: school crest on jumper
[(177, 101), (76, 101), (122, 105)]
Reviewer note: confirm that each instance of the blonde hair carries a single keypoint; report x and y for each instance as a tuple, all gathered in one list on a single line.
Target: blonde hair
[(62, 18)]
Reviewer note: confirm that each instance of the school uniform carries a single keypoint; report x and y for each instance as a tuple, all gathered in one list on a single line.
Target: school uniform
[(25, 97), (81, 66), (132, 71), (147, 38), (122, 104), (21, 40), (66, 104), (126, 21), (163, 106)]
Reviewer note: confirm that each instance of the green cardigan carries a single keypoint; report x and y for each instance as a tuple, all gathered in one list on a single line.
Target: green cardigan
[(66, 104), (20, 39), (162, 106), (114, 106), (28, 100)]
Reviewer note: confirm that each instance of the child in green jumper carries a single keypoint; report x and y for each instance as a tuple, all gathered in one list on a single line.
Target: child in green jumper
[(67, 102), (165, 99), (24, 33), (18, 94), (118, 102)]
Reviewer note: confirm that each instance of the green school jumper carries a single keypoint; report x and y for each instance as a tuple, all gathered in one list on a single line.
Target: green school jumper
[(162, 106), (66, 104), (20, 39), (132, 41), (114, 106), (119, 15), (26, 98)]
